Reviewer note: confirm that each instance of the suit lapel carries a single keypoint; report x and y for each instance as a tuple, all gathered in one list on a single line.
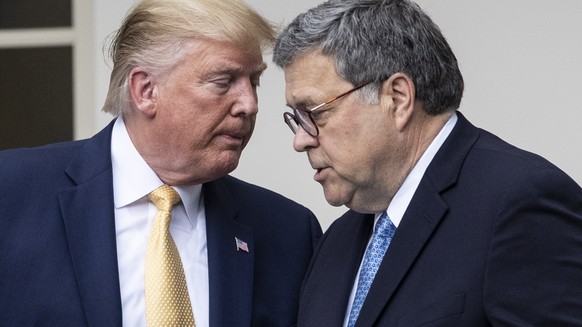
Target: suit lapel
[(332, 273), (88, 216), (424, 213), (418, 224), (230, 270)]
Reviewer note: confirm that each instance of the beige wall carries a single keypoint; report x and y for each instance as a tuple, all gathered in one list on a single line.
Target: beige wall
[(520, 60)]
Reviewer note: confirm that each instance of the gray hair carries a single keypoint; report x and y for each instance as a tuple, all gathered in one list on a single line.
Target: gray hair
[(156, 33), (370, 40)]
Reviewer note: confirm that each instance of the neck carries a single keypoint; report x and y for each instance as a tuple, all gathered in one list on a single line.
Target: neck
[(420, 133)]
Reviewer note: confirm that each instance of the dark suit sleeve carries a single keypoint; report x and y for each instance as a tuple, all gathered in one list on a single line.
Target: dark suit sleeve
[(534, 271), (316, 238), (316, 231)]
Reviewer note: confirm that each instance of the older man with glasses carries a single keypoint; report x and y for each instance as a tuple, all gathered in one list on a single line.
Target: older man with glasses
[(448, 224)]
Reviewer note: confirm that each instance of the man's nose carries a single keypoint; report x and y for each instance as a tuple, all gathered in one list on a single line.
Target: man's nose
[(247, 102), (304, 141)]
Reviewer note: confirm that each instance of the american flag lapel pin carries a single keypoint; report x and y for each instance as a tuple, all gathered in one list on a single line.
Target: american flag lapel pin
[(241, 245)]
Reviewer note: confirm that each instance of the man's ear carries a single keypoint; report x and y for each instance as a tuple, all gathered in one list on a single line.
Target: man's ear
[(399, 91), (143, 91)]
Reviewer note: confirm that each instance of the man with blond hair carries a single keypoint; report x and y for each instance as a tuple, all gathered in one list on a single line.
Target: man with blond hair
[(141, 224)]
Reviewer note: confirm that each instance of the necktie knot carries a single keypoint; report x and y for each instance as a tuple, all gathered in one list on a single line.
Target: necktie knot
[(384, 227), (164, 197)]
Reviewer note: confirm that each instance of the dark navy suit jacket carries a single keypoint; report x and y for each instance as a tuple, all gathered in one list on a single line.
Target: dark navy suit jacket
[(492, 237), (58, 257)]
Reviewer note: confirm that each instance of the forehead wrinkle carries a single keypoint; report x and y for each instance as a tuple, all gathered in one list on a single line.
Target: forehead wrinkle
[(311, 80)]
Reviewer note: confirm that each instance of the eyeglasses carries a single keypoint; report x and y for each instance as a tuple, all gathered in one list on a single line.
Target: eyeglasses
[(304, 117)]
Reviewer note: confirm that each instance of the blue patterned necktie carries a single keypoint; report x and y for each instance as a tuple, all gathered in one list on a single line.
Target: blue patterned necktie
[(374, 254)]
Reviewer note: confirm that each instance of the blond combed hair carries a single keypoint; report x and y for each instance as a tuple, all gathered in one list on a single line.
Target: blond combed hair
[(155, 34)]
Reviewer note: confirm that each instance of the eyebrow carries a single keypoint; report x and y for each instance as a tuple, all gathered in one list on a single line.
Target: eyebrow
[(239, 70), (303, 104), (261, 68), (306, 102)]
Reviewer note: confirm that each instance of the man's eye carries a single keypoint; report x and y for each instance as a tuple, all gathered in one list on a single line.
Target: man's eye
[(222, 83), (317, 114), (320, 112)]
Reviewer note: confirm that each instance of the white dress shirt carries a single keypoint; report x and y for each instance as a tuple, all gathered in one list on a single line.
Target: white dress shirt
[(403, 196), (133, 180)]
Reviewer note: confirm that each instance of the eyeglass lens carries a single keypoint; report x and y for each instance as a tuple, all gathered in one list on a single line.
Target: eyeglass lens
[(291, 121), (306, 122)]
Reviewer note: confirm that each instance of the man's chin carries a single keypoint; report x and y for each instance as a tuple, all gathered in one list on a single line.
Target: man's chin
[(333, 199)]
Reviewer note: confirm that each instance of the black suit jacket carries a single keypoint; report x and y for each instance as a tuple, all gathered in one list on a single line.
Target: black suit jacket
[(58, 257), (492, 236)]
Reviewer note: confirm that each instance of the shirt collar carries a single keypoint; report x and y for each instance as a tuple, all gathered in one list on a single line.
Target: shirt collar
[(402, 198)]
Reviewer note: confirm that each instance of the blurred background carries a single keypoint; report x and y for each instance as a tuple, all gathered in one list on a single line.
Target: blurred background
[(519, 58)]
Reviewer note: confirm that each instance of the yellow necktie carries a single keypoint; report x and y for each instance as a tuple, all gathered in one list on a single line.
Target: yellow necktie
[(166, 292)]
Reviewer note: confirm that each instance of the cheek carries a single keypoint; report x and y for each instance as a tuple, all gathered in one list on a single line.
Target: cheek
[(200, 114), (344, 162), (252, 120), (353, 160)]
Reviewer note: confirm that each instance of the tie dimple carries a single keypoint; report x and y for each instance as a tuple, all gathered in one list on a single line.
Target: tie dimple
[(167, 300)]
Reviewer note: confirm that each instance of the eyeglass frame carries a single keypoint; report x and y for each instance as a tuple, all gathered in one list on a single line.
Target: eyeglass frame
[(310, 127)]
